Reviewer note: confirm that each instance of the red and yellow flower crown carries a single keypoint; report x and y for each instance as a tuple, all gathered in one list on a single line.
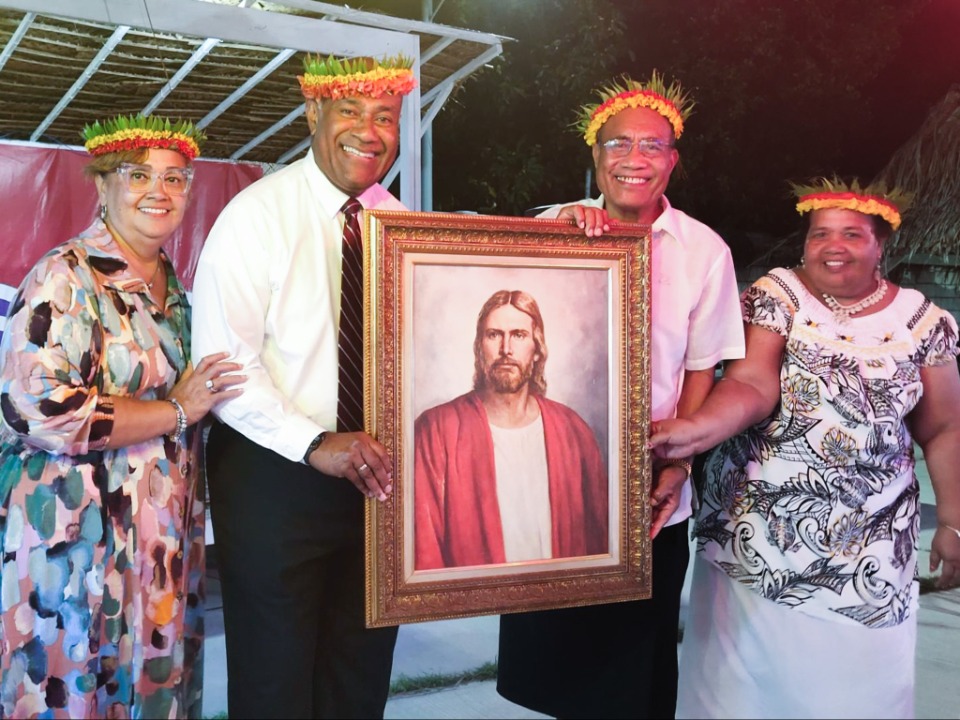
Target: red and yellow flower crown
[(875, 199), (670, 101), (337, 78), (133, 132)]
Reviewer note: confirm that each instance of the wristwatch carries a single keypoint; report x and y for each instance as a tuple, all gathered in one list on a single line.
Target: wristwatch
[(314, 444)]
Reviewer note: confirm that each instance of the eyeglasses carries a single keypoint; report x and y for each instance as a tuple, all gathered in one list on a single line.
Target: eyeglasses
[(648, 147), (138, 178)]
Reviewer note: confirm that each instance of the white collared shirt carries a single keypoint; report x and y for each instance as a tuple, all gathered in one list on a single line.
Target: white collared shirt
[(695, 319), (267, 290)]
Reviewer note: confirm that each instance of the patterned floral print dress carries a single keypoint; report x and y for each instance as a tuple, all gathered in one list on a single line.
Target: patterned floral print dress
[(817, 508), (101, 595)]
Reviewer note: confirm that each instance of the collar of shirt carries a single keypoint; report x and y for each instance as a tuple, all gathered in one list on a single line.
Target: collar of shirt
[(104, 254), (666, 225), (330, 197)]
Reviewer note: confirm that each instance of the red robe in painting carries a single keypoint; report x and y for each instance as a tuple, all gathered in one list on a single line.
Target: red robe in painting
[(457, 517)]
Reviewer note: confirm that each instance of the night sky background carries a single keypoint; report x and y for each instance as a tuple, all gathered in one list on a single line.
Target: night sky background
[(785, 90)]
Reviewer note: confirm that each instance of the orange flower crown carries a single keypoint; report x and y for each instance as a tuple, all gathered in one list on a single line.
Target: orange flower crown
[(133, 132), (875, 199), (337, 78), (670, 101)]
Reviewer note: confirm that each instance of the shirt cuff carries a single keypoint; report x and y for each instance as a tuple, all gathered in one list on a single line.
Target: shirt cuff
[(294, 437)]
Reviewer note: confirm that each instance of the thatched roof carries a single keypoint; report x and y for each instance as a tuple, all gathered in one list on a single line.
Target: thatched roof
[(230, 64), (928, 165)]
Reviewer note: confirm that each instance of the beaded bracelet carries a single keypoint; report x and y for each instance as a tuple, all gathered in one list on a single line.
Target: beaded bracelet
[(181, 420), (948, 527)]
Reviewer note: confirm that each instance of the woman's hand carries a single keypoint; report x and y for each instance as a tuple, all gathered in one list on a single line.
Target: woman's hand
[(212, 381), (675, 438), (945, 548)]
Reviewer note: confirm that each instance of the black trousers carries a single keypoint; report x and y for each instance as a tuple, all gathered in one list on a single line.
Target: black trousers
[(601, 661), (290, 550)]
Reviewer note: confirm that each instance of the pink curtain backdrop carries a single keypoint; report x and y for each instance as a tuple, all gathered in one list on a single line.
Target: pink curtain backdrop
[(46, 199)]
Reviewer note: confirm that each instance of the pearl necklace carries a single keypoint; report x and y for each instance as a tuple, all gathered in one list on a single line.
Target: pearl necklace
[(843, 312)]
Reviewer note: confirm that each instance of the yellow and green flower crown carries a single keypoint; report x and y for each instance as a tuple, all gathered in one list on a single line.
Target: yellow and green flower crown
[(668, 100), (133, 132), (336, 78), (874, 199)]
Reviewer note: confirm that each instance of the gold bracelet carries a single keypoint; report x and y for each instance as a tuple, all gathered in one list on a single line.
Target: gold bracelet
[(679, 462), (948, 527)]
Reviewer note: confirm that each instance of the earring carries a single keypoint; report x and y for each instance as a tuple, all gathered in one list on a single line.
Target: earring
[(103, 212), (878, 270)]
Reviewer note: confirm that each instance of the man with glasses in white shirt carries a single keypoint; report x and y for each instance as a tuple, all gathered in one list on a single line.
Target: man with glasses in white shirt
[(620, 659)]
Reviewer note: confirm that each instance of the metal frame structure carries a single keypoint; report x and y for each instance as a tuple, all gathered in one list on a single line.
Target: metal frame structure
[(229, 64)]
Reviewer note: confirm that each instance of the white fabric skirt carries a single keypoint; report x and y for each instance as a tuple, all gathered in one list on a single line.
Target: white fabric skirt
[(744, 656)]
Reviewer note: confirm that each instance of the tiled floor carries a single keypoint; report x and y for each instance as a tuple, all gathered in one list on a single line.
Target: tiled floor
[(214, 649)]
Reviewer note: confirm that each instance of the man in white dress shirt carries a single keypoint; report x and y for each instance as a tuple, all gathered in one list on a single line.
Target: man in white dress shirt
[(620, 660), (287, 484)]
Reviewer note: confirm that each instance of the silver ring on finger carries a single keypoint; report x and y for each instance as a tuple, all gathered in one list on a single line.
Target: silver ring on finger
[(362, 468), (210, 387)]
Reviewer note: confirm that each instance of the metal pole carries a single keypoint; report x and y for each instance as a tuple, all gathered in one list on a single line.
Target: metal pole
[(426, 139)]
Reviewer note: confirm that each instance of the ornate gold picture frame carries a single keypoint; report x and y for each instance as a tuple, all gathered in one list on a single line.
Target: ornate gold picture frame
[(441, 350)]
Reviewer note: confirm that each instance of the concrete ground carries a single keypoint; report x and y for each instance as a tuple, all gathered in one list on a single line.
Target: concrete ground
[(453, 646)]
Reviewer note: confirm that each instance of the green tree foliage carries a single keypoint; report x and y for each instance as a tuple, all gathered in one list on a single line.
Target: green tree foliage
[(785, 90), (506, 142), (782, 94)]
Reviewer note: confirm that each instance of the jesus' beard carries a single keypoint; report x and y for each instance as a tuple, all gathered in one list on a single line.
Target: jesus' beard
[(507, 376)]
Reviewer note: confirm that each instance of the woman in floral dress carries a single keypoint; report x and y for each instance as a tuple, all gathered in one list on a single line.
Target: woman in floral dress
[(102, 518), (804, 594)]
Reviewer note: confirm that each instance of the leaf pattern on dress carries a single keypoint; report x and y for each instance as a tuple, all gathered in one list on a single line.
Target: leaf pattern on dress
[(782, 586), (852, 488), (822, 495), (899, 522), (781, 532), (712, 528), (885, 605), (799, 504), (938, 346)]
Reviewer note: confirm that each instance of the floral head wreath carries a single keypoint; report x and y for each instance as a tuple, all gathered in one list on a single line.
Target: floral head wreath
[(337, 78), (134, 132), (874, 199), (670, 101)]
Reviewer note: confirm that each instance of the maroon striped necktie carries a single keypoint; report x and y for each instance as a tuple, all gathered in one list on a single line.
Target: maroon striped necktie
[(350, 391)]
